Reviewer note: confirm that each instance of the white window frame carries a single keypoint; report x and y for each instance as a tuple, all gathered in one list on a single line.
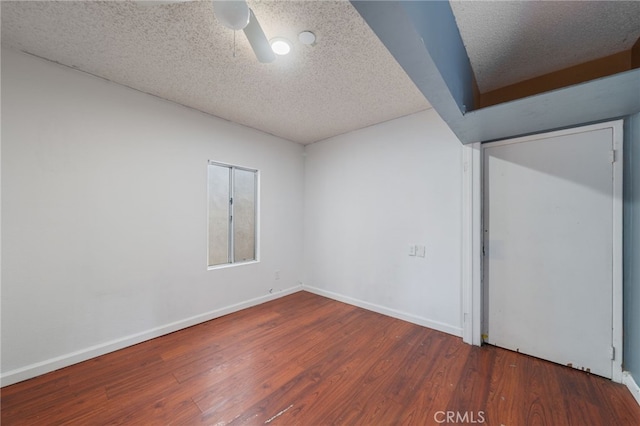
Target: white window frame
[(230, 239)]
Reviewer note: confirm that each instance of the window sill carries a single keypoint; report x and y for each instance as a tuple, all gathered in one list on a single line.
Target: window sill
[(231, 265)]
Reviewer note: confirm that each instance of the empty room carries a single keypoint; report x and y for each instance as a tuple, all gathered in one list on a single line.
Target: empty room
[(320, 212)]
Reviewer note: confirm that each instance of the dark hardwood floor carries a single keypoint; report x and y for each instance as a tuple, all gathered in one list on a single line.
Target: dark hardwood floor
[(304, 359)]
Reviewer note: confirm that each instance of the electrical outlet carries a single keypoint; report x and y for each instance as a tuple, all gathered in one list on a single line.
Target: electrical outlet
[(276, 275), (421, 251), (412, 250)]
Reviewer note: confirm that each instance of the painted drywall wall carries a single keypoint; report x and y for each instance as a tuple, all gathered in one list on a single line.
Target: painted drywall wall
[(104, 216), (369, 196), (631, 274)]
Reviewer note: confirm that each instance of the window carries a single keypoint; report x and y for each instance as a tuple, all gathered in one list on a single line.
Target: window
[(233, 196)]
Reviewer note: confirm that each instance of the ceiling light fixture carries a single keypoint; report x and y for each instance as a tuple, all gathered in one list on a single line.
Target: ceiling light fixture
[(280, 46), (307, 37)]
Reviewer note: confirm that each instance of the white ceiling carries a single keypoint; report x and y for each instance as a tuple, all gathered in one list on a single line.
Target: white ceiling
[(348, 80), (512, 41), (178, 51)]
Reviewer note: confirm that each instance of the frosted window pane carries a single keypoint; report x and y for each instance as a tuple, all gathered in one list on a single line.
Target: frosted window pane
[(244, 211), (218, 215)]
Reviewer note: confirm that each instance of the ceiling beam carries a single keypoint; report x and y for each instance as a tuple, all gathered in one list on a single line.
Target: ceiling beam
[(424, 39)]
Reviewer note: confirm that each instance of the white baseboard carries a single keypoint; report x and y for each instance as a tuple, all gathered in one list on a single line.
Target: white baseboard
[(39, 368), (425, 322), (627, 379)]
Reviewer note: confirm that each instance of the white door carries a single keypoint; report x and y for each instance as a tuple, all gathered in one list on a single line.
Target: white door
[(549, 247)]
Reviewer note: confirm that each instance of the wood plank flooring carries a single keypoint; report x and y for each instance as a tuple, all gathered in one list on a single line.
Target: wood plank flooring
[(307, 360)]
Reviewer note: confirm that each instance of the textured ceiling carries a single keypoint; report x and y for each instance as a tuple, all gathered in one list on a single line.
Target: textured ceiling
[(178, 51), (348, 80), (512, 41)]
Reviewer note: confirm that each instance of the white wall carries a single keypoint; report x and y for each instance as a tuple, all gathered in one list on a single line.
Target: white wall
[(104, 216), (631, 262), (372, 193)]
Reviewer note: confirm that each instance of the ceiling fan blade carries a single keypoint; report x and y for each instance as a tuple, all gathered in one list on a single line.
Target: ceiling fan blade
[(258, 40)]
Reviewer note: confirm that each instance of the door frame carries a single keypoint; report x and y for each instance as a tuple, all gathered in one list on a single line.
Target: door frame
[(472, 235)]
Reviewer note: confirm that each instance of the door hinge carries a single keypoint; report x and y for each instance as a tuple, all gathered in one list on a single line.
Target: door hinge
[(612, 156), (612, 352)]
